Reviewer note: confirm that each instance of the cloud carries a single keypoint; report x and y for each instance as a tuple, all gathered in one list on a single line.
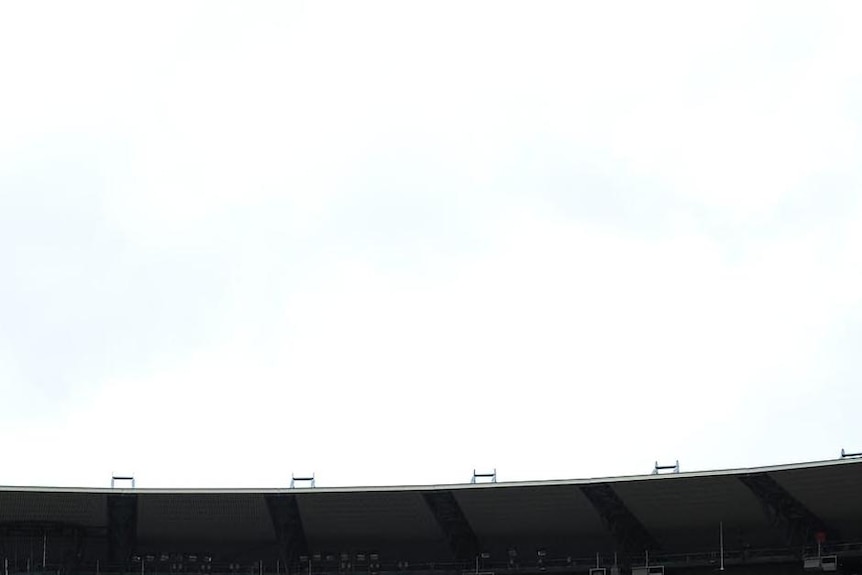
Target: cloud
[(79, 300), (388, 242)]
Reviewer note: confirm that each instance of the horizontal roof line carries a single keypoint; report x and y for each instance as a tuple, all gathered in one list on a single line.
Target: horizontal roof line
[(389, 489)]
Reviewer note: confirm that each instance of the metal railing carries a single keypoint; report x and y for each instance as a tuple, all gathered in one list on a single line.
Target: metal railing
[(548, 565)]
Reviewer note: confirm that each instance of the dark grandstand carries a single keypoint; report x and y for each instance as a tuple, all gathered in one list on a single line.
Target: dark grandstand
[(783, 519)]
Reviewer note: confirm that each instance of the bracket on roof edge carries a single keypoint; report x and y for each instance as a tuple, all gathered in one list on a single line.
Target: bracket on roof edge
[(672, 468), (491, 477), (294, 479), (129, 478), (844, 454)]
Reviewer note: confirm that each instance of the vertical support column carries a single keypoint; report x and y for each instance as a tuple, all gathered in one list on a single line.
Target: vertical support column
[(287, 521), (631, 536), (452, 521), (122, 527)]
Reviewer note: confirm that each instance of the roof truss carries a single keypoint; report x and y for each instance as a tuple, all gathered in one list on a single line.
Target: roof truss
[(782, 508), (452, 521), (630, 534), (287, 521)]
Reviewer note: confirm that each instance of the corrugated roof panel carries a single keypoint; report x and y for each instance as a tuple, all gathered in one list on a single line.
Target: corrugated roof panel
[(339, 516), (833, 494), (89, 509), (204, 517), (685, 511), (551, 510)]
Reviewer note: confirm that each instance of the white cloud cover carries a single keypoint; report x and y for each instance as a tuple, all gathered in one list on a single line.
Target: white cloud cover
[(391, 242)]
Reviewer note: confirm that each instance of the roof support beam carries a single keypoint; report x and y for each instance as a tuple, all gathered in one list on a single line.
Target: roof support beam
[(122, 527), (287, 521), (630, 534), (452, 521), (784, 509)]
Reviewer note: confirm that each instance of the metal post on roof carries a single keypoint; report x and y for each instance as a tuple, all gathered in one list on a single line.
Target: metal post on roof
[(129, 478), (844, 454), (672, 468), (294, 479), (490, 476)]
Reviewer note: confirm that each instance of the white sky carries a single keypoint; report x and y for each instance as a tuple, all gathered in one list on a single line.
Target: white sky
[(389, 242)]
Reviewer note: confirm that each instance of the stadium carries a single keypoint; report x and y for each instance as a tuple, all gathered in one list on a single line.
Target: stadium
[(781, 519)]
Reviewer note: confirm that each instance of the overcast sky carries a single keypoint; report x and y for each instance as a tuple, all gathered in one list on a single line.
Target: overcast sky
[(389, 242)]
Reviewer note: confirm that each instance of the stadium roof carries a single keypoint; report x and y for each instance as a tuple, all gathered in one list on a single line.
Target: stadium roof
[(425, 487), (776, 506)]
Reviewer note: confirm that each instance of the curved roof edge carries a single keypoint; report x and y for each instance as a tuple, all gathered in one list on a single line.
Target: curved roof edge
[(432, 487)]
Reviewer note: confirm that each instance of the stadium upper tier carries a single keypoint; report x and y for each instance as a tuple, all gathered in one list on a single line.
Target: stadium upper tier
[(785, 508)]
